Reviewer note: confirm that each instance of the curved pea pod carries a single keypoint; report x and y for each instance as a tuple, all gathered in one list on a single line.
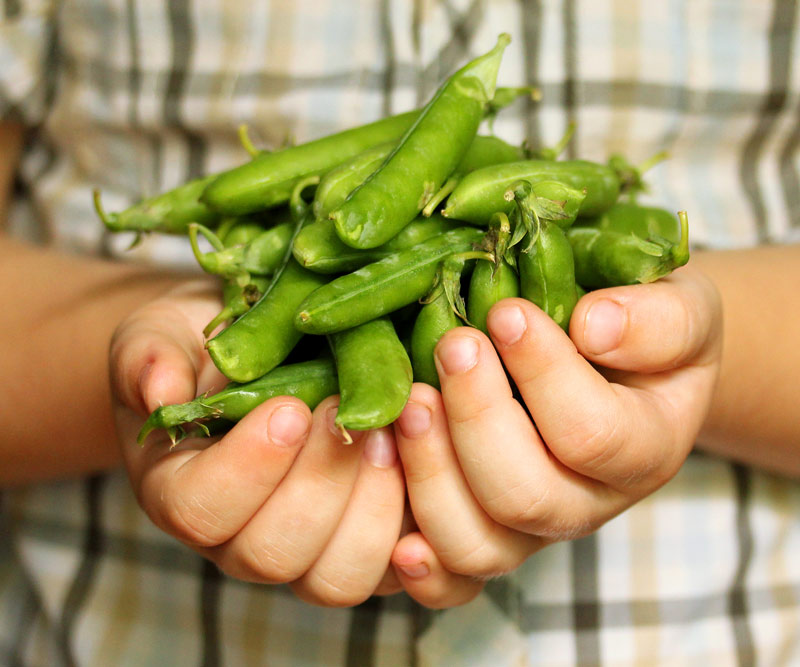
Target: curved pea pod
[(238, 231), (262, 338), (426, 155), (268, 179), (435, 319), (319, 248), (605, 258), (644, 221), (480, 194), (374, 375), (489, 284), (310, 381), (339, 182), (167, 213), (261, 255), (237, 300), (484, 151), (382, 287)]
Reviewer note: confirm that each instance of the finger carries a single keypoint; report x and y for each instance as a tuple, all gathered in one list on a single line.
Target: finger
[(465, 538), (608, 432), (650, 328), (289, 532), (157, 355), (426, 580), (509, 469), (356, 558), (205, 497)]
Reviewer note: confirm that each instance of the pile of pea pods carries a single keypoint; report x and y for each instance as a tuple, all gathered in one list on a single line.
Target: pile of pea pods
[(345, 259)]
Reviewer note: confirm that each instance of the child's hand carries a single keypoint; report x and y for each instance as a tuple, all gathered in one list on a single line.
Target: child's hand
[(488, 487), (279, 498)]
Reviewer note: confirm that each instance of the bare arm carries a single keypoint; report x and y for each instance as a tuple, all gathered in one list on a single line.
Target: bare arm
[(755, 413), (59, 312)]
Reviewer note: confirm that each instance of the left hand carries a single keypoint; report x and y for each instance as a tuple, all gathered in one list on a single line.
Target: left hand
[(616, 407)]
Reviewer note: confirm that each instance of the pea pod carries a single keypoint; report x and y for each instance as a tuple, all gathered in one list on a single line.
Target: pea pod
[(435, 319), (374, 375), (489, 284), (644, 221), (605, 258), (338, 183), (319, 248), (168, 213), (480, 194), (399, 189), (268, 179), (262, 338), (547, 269), (310, 381), (381, 287), (237, 300), (261, 255), (238, 231)]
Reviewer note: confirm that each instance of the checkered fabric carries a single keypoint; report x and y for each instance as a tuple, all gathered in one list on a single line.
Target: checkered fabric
[(137, 96)]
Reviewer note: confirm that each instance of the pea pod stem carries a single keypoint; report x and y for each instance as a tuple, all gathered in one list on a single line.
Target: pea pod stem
[(244, 140)]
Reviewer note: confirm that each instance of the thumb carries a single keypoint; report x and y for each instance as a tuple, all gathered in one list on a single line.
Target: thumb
[(650, 328), (157, 355)]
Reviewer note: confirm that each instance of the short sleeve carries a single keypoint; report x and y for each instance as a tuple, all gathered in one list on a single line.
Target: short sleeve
[(27, 40)]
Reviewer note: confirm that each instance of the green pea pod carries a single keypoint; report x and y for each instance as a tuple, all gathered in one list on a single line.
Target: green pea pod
[(605, 258), (167, 213), (484, 151), (237, 300), (374, 375), (268, 179), (319, 248), (339, 182), (644, 221), (480, 194), (310, 381), (262, 255), (557, 202), (238, 231), (435, 319), (382, 287), (547, 269), (426, 155), (489, 284), (262, 338)]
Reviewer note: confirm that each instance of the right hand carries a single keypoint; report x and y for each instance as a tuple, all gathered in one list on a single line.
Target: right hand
[(279, 498)]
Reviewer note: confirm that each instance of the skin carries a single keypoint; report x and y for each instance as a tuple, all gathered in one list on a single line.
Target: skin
[(753, 400)]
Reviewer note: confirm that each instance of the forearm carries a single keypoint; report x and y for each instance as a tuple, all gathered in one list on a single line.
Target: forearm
[(754, 414), (60, 312)]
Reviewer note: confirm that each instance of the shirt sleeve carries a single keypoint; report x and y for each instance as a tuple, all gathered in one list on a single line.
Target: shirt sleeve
[(27, 43)]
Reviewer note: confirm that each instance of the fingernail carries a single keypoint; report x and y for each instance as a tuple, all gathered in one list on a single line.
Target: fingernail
[(603, 327), (287, 426), (380, 449), (415, 420), (457, 354), (507, 324), (415, 571)]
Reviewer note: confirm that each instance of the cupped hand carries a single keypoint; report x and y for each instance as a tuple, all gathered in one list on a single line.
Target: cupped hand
[(277, 499), (607, 415)]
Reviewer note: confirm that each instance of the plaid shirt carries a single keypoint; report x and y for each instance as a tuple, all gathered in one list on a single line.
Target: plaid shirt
[(137, 96)]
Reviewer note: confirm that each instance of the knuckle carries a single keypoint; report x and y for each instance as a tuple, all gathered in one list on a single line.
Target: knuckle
[(268, 564), (192, 521), (481, 560), (339, 592), (591, 442), (520, 506)]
